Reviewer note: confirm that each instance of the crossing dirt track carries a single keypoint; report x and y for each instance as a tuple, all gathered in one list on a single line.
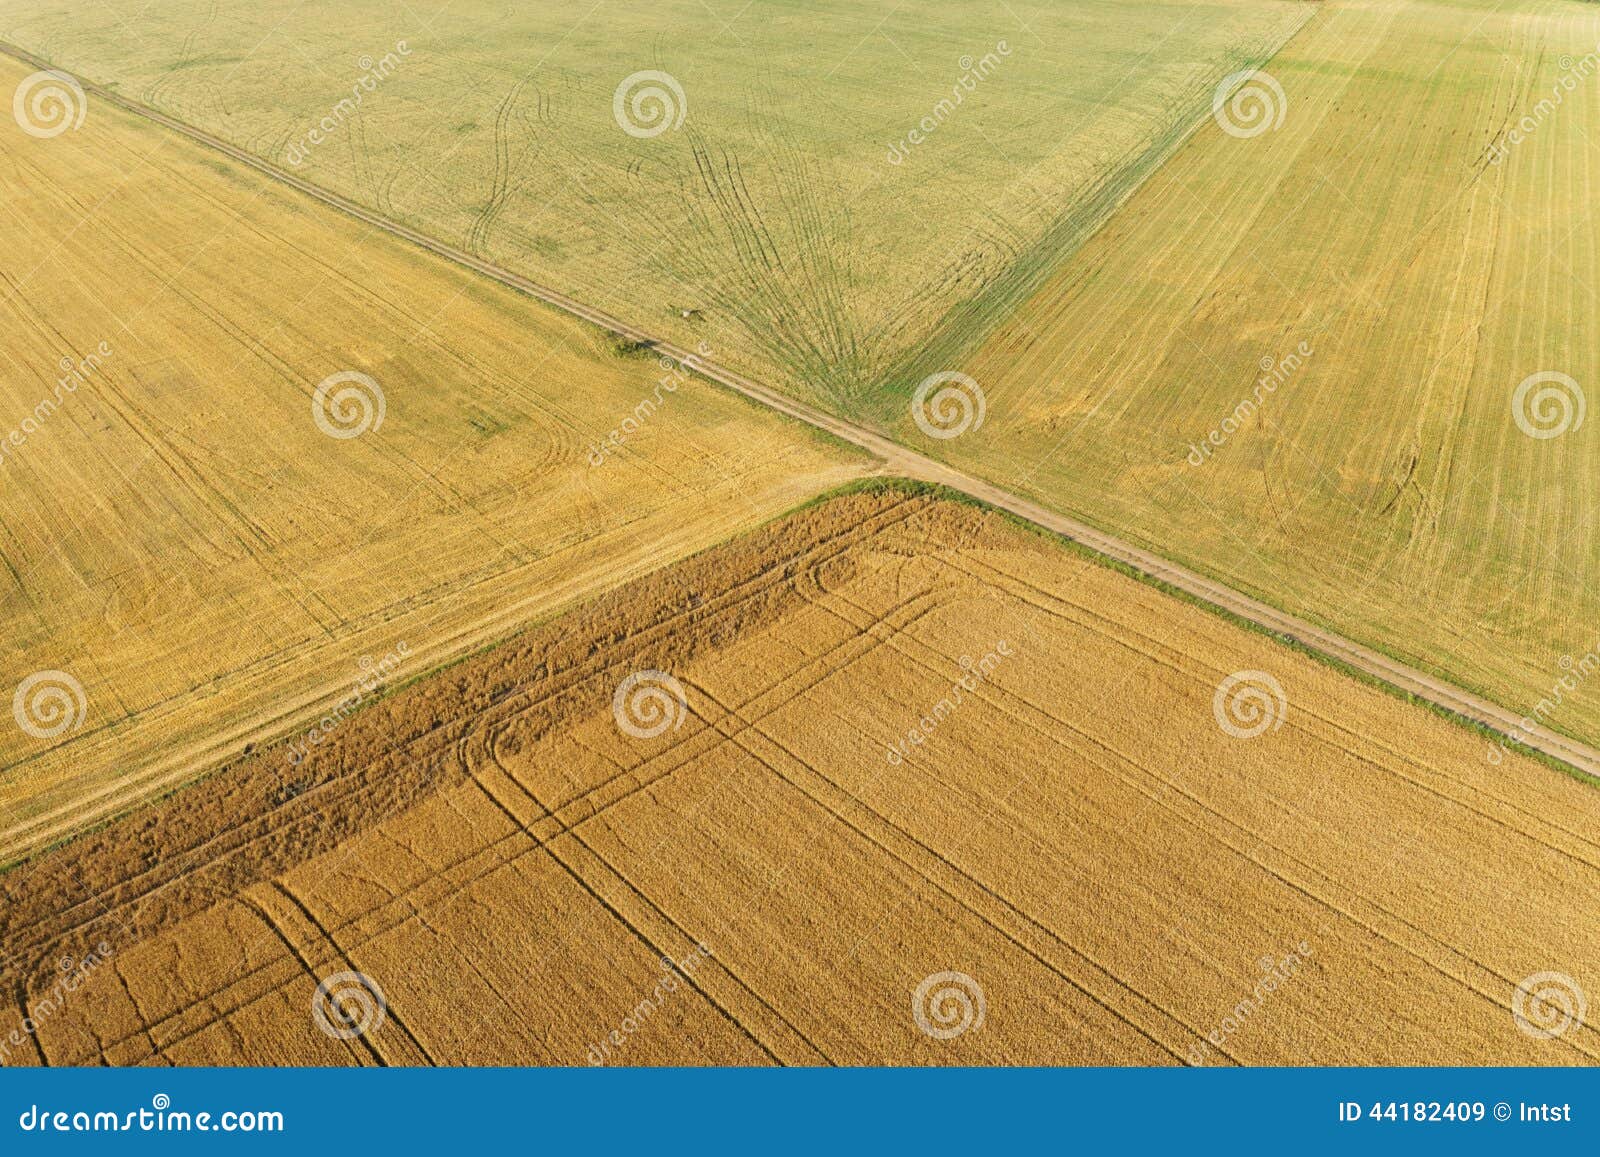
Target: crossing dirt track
[(682, 688), (183, 537), (773, 210), (1116, 306), (1392, 261), (510, 866)]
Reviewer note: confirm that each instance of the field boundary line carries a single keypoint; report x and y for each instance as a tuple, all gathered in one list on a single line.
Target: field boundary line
[(898, 459)]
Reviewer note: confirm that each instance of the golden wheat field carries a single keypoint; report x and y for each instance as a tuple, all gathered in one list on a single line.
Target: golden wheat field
[(689, 824), (212, 533), (1296, 359), (1009, 533)]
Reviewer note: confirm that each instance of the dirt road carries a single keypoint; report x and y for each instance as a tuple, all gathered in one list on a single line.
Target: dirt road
[(899, 460)]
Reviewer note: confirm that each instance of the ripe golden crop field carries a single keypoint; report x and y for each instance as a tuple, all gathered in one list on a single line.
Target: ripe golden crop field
[(259, 459), (890, 780), (1138, 473)]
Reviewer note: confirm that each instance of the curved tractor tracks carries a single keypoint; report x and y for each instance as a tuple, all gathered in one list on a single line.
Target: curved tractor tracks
[(898, 460)]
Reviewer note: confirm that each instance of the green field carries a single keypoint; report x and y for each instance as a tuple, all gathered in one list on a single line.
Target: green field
[(773, 213), (1431, 262)]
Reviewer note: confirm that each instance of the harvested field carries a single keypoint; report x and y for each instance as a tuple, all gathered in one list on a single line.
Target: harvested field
[(755, 202), (200, 555), (1076, 833), (1292, 360)]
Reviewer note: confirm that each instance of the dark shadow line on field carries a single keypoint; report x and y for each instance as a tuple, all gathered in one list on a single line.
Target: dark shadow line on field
[(779, 571), (344, 957), (306, 966), (617, 914)]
